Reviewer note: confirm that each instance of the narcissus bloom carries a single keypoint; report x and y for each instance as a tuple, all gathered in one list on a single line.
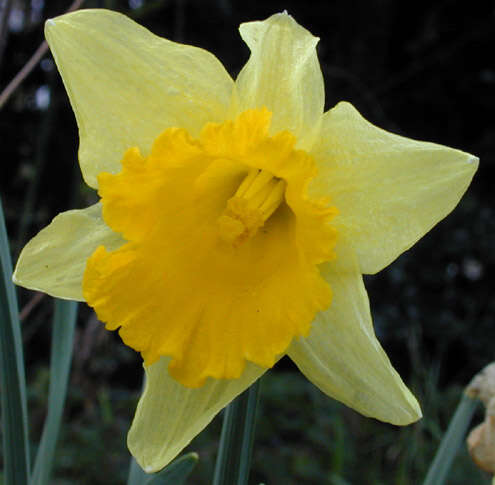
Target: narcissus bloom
[(236, 220)]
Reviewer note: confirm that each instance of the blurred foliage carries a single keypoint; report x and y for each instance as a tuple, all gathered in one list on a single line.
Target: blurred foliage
[(423, 69)]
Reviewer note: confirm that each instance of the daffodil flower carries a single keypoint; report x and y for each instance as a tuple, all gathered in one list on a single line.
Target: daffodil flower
[(236, 220)]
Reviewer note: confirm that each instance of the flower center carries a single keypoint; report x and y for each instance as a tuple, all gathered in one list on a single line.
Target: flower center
[(256, 199), (224, 243)]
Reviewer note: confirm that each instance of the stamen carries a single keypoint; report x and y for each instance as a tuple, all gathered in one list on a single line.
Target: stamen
[(273, 200), (256, 199)]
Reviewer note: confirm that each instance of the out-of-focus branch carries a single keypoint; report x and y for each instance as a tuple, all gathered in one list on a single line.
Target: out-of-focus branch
[(32, 303), (23, 73), (31, 64)]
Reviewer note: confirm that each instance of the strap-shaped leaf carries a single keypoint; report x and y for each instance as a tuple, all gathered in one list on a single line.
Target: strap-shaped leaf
[(174, 474), (12, 375), (137, 476), (236, 442), (64, 322), (439, 469)]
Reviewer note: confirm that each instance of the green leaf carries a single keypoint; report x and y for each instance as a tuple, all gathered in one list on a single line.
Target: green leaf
[(236, 440), (137, 476), (176, 473), (12, 375), (64, 322), (454, 436)]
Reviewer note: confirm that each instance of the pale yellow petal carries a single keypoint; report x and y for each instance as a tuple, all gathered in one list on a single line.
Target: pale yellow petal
[(283, 74), (170, 415), (127, 85), (389, 190), (55, 259), (345, 360)]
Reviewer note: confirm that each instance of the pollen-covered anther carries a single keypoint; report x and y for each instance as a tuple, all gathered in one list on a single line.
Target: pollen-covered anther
[(257, 198)]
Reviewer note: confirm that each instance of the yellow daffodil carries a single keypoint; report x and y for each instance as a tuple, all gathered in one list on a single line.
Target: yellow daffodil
[(236, 220)]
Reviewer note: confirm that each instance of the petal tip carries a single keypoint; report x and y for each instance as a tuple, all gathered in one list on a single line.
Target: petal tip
[(50, 24), (473, 160), (410, 415), (15, 279)]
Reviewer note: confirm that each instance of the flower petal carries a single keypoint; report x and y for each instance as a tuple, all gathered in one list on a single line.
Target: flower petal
[(345, 360), (55, 259), (283, 74), (127, 85), (390, 190), (170, 415)]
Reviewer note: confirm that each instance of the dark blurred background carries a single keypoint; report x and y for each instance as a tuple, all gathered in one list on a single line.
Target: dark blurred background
[(422, 69)]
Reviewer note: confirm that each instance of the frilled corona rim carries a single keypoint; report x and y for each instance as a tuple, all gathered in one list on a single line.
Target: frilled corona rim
[(223, 243)]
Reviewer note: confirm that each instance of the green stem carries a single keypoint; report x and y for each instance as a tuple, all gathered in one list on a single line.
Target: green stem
[(236, 441), (437, 474)]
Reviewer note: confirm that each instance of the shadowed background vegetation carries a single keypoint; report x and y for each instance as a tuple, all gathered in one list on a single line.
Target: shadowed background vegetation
[(422, 69)]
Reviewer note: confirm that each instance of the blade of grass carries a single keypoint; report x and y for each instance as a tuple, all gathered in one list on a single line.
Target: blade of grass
[(236, 440), (439, 469), (12, 374), (64, 322)]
